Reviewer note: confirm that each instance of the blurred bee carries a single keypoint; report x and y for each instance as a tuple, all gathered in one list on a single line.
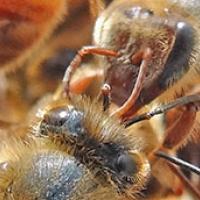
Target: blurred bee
[(26, 26), (22, 87), (23, 26)]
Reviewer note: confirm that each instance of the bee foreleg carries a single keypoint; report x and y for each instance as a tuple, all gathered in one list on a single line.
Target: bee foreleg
[(144, 57), (77, 61), (180, 129)]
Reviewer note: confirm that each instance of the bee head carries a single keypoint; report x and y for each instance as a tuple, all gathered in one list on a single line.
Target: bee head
[(130, 27), (100, 144)]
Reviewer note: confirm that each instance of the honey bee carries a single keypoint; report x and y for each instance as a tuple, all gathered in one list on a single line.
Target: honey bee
[(151, 55), (77, 149), (157, 41)]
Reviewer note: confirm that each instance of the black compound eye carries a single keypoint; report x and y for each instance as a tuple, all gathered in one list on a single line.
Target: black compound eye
[(178, 61), (126, 164)]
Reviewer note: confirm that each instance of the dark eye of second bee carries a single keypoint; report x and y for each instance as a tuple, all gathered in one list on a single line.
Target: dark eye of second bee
[(126, 165), (56, 116), (117, 159)]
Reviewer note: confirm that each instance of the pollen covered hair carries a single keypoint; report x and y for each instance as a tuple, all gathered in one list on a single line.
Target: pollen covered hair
[(35, 169)]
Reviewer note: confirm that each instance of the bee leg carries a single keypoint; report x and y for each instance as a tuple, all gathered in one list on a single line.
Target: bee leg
[(176, 135), (184, 180), (171, 160), (77, 61), (145, 57), (184, 164), (179, 131)]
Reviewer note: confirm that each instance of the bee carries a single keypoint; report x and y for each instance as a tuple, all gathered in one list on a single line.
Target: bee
[(22, 87), (150, 55), (26, 26), (157, 41), (77, 149)]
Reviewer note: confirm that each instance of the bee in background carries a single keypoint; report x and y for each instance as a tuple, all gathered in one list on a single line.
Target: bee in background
[(20, 89), (24, 27)]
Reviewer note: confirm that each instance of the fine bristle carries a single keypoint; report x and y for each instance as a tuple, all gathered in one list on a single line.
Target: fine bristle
[(193, 135), (37, 169), (104, 128)]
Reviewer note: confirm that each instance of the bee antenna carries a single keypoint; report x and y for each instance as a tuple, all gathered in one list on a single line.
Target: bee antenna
[(182, 101), (187, 166)]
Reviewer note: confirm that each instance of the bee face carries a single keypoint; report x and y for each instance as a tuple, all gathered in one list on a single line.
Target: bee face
[(97, 143), (129, 27)]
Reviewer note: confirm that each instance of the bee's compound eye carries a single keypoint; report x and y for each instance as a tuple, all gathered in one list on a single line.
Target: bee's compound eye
[(126, 165), (178, 62)]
